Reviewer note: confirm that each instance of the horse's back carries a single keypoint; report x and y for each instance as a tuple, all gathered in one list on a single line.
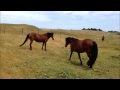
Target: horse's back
[(35, 36), (33, 33), (87, 44), (77, 46), (88, 41)]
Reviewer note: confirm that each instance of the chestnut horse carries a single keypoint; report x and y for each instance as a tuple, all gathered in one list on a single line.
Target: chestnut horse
[(38, 38), (80, 46)]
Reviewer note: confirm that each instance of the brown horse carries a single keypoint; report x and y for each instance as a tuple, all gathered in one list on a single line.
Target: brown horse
[(103, 38), (38, 38), (80, 46)]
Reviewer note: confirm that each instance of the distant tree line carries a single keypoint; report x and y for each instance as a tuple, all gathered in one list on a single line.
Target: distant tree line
[(93, 29), (118, 33), (113, 31)]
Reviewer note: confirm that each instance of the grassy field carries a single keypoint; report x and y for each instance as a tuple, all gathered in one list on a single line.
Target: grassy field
[(21, 63)]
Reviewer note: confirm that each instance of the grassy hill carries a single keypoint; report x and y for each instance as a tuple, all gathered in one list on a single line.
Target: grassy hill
[(20, 62)]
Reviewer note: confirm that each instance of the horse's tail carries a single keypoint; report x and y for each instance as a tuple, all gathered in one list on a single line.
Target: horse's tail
[(25, 40), (94, 54)]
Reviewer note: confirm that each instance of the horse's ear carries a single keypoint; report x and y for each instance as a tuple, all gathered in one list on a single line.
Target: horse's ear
[(51, 31)]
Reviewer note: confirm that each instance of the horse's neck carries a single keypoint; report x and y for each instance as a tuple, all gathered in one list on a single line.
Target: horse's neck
[(44, 35), (47, 36), (74, 40)]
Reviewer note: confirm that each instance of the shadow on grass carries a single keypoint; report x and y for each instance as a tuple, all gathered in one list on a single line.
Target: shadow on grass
[(84, 67), (116, 56)]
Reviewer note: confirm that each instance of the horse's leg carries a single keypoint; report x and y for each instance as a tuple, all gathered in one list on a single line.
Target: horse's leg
[(42, 45), (70, 55), (89, 62), (80, 58), (31, 41), (88, 54), (45, 46), (90, 66)]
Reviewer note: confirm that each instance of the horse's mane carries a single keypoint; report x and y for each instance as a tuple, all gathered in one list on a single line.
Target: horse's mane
[(74, 39), (49, 32)]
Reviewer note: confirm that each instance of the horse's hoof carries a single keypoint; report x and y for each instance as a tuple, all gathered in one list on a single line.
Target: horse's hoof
[(87, 63), (81, 63), (90, 66)]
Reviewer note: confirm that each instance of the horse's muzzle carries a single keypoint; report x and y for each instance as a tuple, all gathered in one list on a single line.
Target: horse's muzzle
[(65, 45), (52, 38)]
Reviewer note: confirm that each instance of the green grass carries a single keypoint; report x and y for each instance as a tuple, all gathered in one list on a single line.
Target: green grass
[(20, 62)]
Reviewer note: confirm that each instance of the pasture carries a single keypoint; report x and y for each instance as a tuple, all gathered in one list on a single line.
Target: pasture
[(21, 63)]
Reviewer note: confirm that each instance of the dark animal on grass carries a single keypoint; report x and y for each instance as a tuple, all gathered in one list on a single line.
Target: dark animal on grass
[(81, 46), (103, 38), (38, 38)]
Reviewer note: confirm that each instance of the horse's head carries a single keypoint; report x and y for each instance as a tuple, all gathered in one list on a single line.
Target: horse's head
[(50, 34), (67, 40)]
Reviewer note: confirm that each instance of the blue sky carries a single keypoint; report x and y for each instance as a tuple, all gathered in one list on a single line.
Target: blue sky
[(105, 20)]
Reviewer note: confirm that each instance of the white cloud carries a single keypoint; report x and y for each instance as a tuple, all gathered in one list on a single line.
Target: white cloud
[(24, 15), (62, 19), (106, 12), (89, 14), (81, 13)]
